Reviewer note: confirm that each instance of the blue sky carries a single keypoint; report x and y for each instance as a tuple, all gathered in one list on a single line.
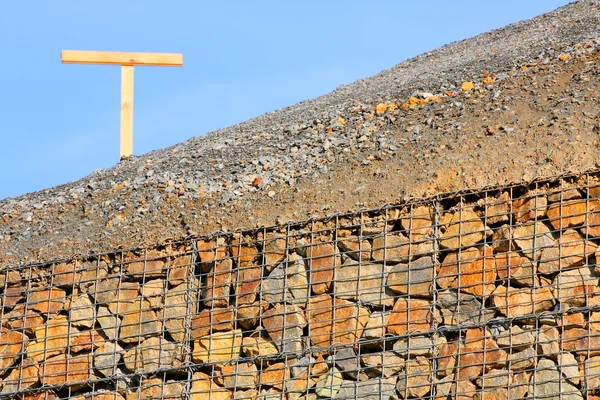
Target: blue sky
[(241, 59)]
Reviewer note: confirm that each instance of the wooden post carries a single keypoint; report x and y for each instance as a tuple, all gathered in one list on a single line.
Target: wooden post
[(127, 62)]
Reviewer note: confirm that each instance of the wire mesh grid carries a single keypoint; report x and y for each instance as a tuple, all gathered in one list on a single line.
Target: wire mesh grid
[(483, 295)]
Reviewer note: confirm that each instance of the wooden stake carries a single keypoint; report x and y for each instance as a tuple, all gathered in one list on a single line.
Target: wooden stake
[(127, 61)]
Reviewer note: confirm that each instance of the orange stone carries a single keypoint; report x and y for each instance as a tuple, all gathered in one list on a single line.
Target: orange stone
[(471, 271), (410, 316), (321, 261)]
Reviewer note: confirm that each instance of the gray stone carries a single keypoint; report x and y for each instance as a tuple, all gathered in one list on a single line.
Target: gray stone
[(152, 354), (329, 384), (346, 360), (462, 309), (412, 346), (532, 238), (414, 279), (175, 312), (107, 358), (372, 389), (384, 363), (516, 338), (81, 311), (376, 328), (364, 282), (288, 282), (548, 383), (109, 322)]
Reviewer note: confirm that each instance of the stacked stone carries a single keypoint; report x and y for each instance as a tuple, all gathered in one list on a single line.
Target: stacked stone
[(473, 298)]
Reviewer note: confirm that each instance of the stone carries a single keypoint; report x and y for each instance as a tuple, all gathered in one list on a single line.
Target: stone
[(372, 389), (23, 319), (495, 379), (81, 311), (570, 213), (212, 320), (463, 390), (478, 353), (51, 338), (325, 330), (516, 338), (497, 209), (25, 376), (218, 284), (248, 280), (12, 295), (248, 315), (91, 274), (564, 194), (258, 345), (218, 347), (347, 361), (156, 388), (275, 375), (84, 340), (412, 346), (151, 266), (109, 322), (49, 301), (203, 388), (502, 239), (416, 379), (285, 324), (139, 322), (355, 248), (415, 278), (117, 295), (575, 287), (460, 309), (446, 359), (46, 395), (66, 274), (522, 360), (548, 383), (571, 250), (532, 238), (154, 292), (321, 261), (243, 255), (581, 342), (210, 251), (363, 282), (518, 302), (329, 384), (288, 283), (391, 249), (443, 387), (153, 354), (240, 375), (377, 325), (548, 341), (590, 372), (568, 366), (107, 358), (418, 224), (63, 370), (384, 363), (176, 311), (471, 271), (274, 249), (410, 316), (592, 227), (594, 321), (180, 269), (247, 394), (513, 267), (464, 229), (529, 208)]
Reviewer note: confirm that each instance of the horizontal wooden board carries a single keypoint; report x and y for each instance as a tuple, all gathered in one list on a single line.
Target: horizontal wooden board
[(122, 58)]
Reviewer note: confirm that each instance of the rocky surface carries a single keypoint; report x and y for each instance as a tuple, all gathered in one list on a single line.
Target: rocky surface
[(476, 300), (507, 106)]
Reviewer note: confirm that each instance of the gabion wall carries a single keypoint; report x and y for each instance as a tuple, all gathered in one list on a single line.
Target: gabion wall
[(486, 295)]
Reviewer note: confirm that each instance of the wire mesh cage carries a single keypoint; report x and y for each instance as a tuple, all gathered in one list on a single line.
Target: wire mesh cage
[(490, 294)]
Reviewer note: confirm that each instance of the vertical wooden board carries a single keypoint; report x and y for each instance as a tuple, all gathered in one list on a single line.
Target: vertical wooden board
[(126, 111)]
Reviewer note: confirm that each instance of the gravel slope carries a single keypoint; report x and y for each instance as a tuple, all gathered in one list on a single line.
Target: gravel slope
[(535, 114)]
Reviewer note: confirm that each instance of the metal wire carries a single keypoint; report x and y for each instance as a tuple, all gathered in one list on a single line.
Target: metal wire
[(483, 294)]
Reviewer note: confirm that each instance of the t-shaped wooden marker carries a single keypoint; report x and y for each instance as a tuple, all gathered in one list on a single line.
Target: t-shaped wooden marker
[(127, 61)]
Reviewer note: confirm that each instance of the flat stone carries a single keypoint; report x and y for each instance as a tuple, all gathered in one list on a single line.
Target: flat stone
[(25, 376), (275, 376), (288, 283), (203, 388), (347, 361), (363, 282), (321, 260), (325, 330), (529, 208), (218, 284), (81, 311), (575, 287), (243, 255), (329, 384), (518, 302), (385, 363), (570, 213), (23, 319), (153, 354), (464, 229), (392, 249), (569, 367), (51, 339), (107, 358), (548, 383), (258, 344), (212, 320), (418, 224), (376, 327), (477, 353), (581, 342), (471, 271), (410, 316), (139, 322), (285, 324), (156, 388), (564, 194), (50, 300), (497, 209), (522, 360), (66, 274), (416, 380), (65, 370), (415, 278), (218, 347), (590, 372), (247, 285), (151, 266), (372, 389), (516, 338), (176, 311), (412, 346), (109, 322), (180, 269), (516, 268), (571, 250), (355, 248), (532, 238), (460, 309), (240, 375)]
